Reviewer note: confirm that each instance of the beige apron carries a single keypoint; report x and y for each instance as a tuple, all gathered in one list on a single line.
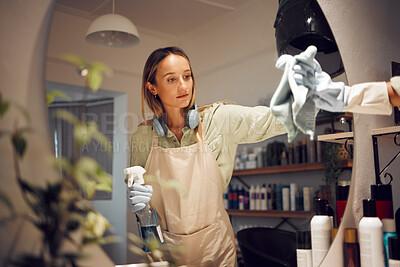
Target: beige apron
[(193, 218)]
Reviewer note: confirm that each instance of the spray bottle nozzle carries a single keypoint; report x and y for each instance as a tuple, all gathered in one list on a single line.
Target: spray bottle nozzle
[(135, 175)]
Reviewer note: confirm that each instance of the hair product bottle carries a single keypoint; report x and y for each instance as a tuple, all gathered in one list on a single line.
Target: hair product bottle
[(371, 236), (293, 195), (351, 248), (342, 192), (305, 150), (264, 197), (252, 197), (321, 227), (258, 197), (269, 197), (299, 152), (389, 230), (303, 249), (382, 193), (241, 197), (394, 251), (291, 154), (285, 198), (394, 244)]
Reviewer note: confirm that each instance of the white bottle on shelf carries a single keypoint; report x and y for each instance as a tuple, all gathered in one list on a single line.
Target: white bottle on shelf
[(285, 198), (258, 197), (303, 249), (371, 236), (293, 195), (252, 194), (321, 227), (264, 197)]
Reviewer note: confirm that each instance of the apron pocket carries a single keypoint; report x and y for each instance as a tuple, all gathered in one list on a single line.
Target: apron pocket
[(211, 246)]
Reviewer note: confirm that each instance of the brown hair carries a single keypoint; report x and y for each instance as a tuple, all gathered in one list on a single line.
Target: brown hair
[(149, 75)]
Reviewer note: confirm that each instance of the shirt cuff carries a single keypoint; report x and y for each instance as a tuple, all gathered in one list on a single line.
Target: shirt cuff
[(369, 98), (395, 82)]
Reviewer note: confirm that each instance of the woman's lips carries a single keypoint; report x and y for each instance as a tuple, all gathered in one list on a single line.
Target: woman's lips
[(182, 96)]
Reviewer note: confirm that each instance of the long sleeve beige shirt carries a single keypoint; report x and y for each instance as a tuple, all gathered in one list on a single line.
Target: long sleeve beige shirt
[(225, 126)]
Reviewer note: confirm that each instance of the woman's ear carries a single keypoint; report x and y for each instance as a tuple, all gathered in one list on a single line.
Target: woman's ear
[(151, 88)]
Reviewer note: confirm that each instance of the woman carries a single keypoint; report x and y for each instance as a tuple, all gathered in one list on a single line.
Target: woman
[(198, 151), (199, 157)]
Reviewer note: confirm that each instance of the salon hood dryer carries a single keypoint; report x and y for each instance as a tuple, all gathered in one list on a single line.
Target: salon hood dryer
[(301, 23)]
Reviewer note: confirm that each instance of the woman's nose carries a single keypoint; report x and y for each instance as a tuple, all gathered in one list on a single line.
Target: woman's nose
[(182, 84)]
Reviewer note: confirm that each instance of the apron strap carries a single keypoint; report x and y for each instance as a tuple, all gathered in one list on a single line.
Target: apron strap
[(200, 134), (154, 140)]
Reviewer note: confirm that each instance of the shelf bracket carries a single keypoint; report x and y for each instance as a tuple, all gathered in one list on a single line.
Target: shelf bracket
[(379, 172), (286, 220), (241, 180), (347, 147)]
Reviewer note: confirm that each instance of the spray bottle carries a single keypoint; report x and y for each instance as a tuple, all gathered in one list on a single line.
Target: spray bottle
[(148, 225)]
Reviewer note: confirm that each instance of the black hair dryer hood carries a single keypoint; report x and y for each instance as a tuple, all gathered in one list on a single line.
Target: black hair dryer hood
[(300, 23)]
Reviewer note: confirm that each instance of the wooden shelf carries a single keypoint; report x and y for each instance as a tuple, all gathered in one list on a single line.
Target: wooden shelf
[(385, 131), (289, 168), (337, 137), (271, 213)]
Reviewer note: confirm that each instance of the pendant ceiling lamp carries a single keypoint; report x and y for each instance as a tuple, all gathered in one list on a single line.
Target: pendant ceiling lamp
[(113, 30), (300, 23)]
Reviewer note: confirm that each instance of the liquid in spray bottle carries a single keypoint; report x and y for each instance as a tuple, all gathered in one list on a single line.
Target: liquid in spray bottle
[(148, 225)]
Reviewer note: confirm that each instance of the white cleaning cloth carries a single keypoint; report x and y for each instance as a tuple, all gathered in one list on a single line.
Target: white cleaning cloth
[(304, 89), (291, 103), (364, 98)]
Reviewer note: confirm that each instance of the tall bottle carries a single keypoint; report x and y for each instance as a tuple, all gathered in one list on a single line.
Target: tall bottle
[(389, 230), (252, 197), (394, 251), (351, 248), (342, 193), (264, 197), (258, 197), (241, 198), (382, 193), (394, 244), (148, 225), (303, 249), (321, 226), (371, 236)]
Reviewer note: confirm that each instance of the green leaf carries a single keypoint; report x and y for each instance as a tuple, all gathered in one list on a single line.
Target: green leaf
[(19, 143), (62, 163), (94, 79), (6, 201), (67, 116), (82, 133), (136, 250), (110, 239), (89, 187), (104, 187), (96, 224), (75, 59), (101, 68), (50, 96), (91, 176), (4, 106)]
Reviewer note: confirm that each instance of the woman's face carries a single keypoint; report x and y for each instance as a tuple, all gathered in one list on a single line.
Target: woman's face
[(174, 82)]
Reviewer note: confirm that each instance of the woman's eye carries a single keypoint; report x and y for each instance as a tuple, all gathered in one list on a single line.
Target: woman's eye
[(171, 79), (187, 76)]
